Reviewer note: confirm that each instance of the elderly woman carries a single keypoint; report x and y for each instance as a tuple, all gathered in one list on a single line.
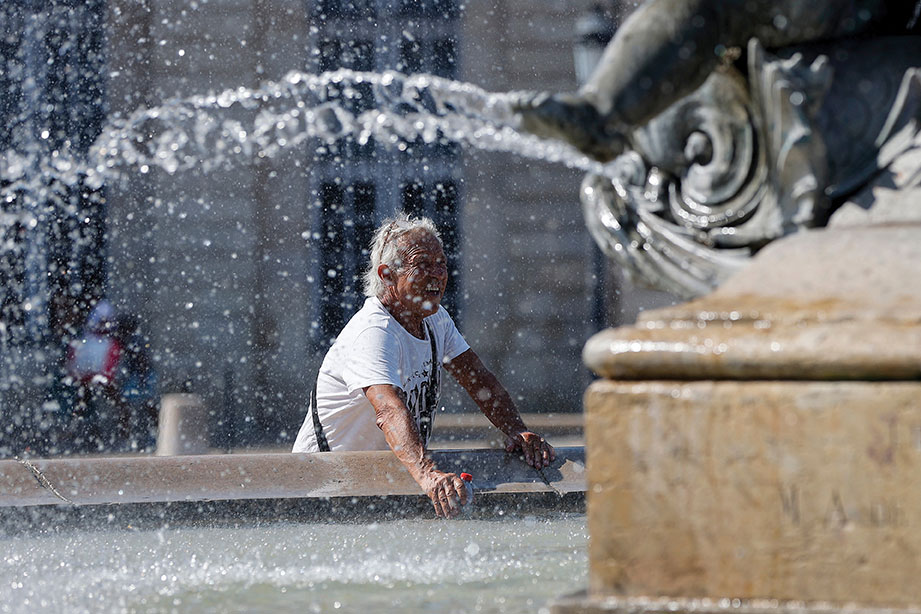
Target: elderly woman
[(379, 383)]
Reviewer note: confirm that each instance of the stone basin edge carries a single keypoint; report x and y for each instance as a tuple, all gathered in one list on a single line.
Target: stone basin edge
[(122, 480)]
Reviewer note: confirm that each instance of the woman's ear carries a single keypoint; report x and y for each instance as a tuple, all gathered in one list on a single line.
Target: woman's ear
[(383, 271)]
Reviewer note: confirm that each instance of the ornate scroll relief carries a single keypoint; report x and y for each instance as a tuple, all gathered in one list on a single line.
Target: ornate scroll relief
[(716, 176)]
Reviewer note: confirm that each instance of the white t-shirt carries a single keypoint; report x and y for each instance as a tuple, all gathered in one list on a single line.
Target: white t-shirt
[(374, 348)]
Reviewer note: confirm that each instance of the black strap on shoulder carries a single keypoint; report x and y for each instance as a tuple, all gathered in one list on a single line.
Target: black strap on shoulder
[(322, 443), (427, 412), (431, 398)]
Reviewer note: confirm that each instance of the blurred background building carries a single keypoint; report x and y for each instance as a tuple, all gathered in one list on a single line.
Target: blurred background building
[(242, 275)]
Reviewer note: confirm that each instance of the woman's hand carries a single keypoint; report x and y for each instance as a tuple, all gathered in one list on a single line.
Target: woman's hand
[(447, 492), (537, 452)]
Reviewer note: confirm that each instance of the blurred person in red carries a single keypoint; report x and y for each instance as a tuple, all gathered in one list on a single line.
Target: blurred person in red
[(92, 362)]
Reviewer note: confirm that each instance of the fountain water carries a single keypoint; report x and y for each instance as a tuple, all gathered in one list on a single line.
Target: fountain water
[(194, 133), (420, 566), (212, 133)]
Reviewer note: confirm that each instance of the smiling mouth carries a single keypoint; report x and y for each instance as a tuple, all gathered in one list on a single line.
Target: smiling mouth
[(428, 295)]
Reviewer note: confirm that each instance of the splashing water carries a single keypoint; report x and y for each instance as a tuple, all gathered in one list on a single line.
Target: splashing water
[(207, 132), (516, 565), (50, 240)]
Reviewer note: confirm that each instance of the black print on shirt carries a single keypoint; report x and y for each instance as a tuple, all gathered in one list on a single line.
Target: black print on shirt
[(421, 401)]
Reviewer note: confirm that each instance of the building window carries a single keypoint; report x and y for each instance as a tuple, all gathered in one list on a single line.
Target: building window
[(12, 278), (438, 57), (358, 55), (410, 56), (329, 55), (52, 75), (444, 58), (365, 198), (443, 9), (347, 217), (436, 9), (344, 9), (354, 97), (413, 199), (445, 216), (333, 269), (358, 185)]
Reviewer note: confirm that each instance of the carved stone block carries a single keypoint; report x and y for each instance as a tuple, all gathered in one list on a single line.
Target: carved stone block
[(804, 491), (759, 449)]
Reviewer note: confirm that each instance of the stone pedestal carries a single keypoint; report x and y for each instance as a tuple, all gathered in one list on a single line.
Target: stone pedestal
[(760, 448), (183, 425)]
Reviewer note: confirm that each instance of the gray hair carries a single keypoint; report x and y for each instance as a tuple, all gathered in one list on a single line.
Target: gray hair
[(385, 247)]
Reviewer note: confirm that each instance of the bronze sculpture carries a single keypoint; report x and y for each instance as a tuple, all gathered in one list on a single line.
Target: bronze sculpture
[(730, 123)]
